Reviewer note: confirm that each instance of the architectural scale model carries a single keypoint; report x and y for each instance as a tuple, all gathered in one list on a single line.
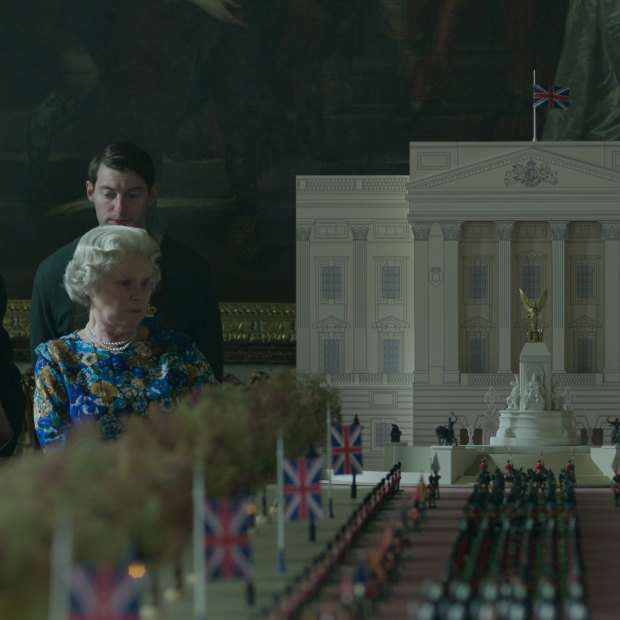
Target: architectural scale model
[(408, 286)]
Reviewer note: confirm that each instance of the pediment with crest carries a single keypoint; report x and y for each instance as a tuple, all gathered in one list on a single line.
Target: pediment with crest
[(525, 169)]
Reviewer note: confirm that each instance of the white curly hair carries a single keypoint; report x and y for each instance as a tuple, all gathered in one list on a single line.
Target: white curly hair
[(99, 250)]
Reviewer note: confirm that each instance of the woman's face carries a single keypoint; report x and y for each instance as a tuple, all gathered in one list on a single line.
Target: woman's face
[(122, 297)]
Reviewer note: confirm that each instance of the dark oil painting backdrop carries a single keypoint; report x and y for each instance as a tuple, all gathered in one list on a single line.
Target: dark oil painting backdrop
[(233, 102)]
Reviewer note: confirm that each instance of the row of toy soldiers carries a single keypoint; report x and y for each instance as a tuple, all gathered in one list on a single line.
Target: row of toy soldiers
[(370, 577), (526, 486), (307, 585), (515, 553), (374, 572), (540, 474), (425, 496)]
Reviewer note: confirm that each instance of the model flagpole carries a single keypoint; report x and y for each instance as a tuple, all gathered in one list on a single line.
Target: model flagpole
[(60, 569), (534, 107), (329, 462), (280, 496), (198, 545)]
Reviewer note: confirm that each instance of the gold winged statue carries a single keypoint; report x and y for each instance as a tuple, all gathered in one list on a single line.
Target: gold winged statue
[(533, 310)]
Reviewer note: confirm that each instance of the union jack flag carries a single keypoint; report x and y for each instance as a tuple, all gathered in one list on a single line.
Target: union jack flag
[(347, 449), (104, 594), (227, 542), (551, 97), (302, 489)]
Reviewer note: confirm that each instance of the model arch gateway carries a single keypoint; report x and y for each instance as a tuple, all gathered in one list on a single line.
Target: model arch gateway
[(408, 286)]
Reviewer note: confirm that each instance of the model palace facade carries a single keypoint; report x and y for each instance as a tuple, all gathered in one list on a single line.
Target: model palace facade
[(408, 286)]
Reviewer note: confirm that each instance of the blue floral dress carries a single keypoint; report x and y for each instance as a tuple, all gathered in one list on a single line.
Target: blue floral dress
[(77, 381)]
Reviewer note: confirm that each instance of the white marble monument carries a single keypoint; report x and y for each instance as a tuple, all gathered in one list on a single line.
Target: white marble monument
[(535, 414)]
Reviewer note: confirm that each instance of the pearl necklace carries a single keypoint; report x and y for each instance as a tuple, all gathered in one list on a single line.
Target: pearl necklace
[(114, 347)]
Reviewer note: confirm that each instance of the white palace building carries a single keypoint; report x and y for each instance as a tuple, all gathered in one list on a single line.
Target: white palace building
[(408, 286)]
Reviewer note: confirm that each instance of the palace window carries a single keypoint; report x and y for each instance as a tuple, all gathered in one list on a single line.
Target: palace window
[(331, 355), (584, 281), (331, 282), (530, 277), (383, 432), (478, 282), (478, 355), (391, 355), (390, 282)]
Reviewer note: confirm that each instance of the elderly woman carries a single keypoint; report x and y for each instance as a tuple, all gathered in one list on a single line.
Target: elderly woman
[(115, 366)]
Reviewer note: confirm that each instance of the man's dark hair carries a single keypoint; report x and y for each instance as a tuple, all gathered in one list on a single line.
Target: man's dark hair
[(123, 156)]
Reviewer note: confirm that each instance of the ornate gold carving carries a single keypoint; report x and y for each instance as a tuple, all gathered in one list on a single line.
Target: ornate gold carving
[(253, 332), (17, 324), (17, 318), (259, 332)]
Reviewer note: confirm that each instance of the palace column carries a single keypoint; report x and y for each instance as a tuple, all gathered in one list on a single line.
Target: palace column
[(504, 238), (302, 306), (421, 233), (611, 234), (450, 304), (360, 296), (558, 267)]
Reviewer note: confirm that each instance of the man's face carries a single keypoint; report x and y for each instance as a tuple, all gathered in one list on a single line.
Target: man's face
[(120, 197)]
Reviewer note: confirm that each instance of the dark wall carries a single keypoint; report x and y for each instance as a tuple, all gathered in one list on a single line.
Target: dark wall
[(231, 114)]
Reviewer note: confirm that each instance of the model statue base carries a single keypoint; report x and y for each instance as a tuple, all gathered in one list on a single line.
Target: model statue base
[(540, 428), (535, 415)]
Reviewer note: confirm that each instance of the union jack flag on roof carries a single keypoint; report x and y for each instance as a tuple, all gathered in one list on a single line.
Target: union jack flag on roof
[(551, 97), (347, 449), (104, 594), (227, 542), (302, 489)]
